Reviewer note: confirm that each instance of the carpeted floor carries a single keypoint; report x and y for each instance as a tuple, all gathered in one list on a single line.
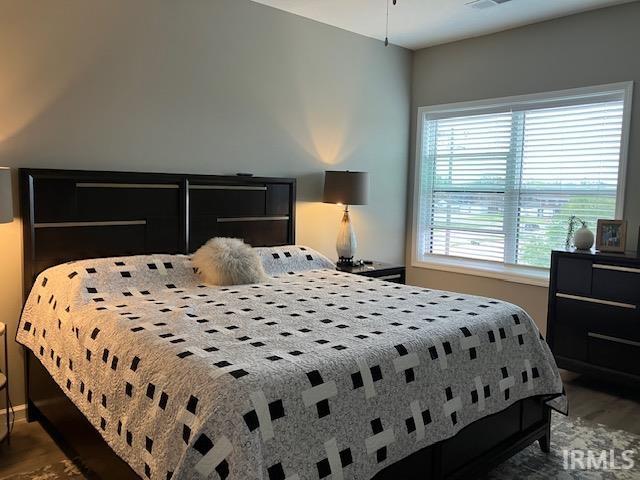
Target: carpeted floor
[(530, 464)]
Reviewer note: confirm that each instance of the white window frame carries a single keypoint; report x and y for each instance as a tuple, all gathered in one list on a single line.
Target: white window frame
[(513, 273)]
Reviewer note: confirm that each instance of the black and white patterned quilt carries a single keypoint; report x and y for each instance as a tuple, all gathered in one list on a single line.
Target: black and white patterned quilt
[(311, 375)]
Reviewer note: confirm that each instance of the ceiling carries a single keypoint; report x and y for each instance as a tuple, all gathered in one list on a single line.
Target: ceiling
[(420, 23)]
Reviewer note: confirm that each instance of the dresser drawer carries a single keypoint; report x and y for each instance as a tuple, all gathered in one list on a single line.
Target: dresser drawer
[(614, 353), (587, 315), (615, 282), (574, 275), (594, 314), (570, 341)]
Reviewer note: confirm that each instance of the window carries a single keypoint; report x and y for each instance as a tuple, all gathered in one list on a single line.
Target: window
[(497, 181)]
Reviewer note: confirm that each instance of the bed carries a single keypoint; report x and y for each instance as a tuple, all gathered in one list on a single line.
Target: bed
[(139, 370)]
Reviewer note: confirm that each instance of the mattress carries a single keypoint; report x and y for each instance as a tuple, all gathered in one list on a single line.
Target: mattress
[(315, 373)]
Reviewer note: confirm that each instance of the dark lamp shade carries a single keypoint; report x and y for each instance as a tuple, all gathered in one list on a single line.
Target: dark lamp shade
[(348, 188), (6, 197)]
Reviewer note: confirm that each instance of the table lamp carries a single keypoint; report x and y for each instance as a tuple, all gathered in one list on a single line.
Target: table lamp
[(346, 188)]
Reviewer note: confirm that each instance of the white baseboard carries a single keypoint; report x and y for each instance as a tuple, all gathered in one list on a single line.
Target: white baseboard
[(19, 412)]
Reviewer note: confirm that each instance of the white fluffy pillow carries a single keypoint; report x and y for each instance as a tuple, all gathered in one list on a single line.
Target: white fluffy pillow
[(228, 261)]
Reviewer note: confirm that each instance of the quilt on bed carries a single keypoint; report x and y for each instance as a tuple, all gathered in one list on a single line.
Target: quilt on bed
[(310, 375)]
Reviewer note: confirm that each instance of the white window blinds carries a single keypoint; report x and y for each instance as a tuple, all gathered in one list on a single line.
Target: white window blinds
[(499, 182)]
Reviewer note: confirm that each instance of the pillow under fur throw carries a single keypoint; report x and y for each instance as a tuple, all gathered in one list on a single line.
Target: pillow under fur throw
[(289, 259), (228, 261)]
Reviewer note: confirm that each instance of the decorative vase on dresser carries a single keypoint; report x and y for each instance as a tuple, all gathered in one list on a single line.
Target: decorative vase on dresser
[(583, 238), (593, 322)]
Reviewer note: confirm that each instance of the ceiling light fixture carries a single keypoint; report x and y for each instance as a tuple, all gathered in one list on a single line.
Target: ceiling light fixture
[(386, 37)]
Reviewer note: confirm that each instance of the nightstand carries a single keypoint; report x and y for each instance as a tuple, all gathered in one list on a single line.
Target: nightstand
[(5, 430), (379, 270)]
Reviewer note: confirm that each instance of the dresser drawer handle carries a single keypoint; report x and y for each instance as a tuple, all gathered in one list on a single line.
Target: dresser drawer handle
[(616, 268), (614, 339), (252, 219), (596, 300)]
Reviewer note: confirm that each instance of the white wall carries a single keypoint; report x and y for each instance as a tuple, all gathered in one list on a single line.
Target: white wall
[(215, 87)]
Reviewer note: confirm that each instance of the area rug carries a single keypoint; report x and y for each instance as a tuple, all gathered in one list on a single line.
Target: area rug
[(579, 450), (63, 470), (568, 434)]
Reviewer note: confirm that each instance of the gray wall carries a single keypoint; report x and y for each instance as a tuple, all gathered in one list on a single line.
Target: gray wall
[(591, 48), (214, 87)]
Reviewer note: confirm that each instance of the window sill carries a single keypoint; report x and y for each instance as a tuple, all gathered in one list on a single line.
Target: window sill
[(538, 277)]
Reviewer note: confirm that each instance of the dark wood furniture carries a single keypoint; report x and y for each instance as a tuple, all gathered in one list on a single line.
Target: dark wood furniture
[(69, 215), (380, 270), (593, 325), (5, 429), (78, 214)]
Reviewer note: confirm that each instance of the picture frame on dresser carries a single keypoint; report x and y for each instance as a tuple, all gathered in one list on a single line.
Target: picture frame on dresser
[(611, 236)]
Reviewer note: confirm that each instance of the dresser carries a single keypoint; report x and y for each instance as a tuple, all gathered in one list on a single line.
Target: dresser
[(593, 322)]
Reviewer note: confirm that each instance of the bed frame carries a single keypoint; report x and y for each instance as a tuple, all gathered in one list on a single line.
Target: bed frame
[(69, 215)]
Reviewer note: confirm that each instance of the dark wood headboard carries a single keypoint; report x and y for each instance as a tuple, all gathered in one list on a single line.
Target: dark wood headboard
[(70, 214)]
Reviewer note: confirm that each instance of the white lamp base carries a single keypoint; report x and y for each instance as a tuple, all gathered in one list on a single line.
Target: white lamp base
[(346, 244)]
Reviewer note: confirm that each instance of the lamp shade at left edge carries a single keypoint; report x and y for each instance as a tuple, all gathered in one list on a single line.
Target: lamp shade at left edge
[(6, 196)]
